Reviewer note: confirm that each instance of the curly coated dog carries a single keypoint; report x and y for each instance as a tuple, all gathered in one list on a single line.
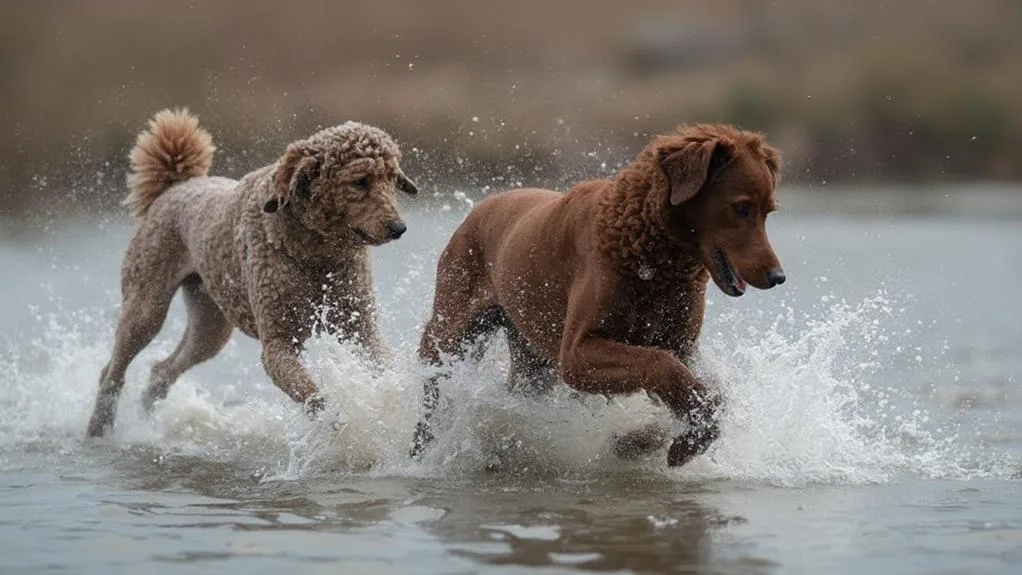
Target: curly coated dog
[(285, 247), (605, 285)]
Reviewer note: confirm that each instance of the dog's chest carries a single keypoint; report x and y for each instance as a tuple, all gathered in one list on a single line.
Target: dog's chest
[(335, 299), (653, 318)]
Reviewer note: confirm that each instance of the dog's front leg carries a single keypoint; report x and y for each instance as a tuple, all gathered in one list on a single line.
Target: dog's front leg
[(367, 335), (597, 365), (280, 360), (352, 318)]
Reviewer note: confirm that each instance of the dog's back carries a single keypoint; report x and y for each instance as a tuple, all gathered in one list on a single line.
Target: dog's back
[(185, 219), (501, 214), (509, 253)]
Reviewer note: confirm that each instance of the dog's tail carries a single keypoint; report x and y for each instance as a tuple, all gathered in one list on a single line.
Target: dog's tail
[(173, 150)]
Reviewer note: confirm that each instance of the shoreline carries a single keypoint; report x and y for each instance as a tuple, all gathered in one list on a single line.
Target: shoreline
[(969, 200)]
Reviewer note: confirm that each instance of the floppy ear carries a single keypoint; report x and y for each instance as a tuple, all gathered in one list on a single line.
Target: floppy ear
[(772, 157), (405, 184), (294, 174), (691, 167)]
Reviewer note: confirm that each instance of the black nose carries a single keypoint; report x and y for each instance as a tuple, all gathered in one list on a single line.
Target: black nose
[(775, 277), (397, 228)]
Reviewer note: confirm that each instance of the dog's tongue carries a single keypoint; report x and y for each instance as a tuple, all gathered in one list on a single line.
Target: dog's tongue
[(727, 273), (734, 278), (737, 282)]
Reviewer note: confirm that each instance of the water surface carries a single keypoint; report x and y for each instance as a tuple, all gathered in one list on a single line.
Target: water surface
[(874, 425)]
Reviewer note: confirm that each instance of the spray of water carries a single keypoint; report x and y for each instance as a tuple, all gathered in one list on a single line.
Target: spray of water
[(807, 401)]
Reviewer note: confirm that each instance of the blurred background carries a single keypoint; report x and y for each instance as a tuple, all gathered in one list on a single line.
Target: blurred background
[(486, 95)]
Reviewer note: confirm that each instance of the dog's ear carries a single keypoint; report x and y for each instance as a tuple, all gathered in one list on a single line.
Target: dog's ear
[(296, 171), (691, 166), (406, 185), (772, 157)]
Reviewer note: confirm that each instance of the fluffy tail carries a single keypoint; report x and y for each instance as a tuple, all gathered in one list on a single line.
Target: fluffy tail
[(173, 150)]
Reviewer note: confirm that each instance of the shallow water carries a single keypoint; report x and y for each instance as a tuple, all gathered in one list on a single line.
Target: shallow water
[(874, 423)]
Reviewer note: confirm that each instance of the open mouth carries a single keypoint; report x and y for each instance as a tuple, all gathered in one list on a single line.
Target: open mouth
[(730, 281)]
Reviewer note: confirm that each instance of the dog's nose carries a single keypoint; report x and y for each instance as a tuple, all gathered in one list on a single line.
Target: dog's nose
[(775, 277), (397, 228)]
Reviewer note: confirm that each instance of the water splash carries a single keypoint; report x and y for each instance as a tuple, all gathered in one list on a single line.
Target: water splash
[(819, 405), (809, 399)]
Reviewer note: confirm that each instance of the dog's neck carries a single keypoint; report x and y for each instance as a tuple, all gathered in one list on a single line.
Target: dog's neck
[(632, 235), (308, 246)]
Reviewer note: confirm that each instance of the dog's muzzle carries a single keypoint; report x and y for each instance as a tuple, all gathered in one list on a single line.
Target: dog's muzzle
[(775, 277), (397, 228)]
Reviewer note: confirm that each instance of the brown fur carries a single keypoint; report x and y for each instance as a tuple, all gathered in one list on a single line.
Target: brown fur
[(605, 285), (263, 254)]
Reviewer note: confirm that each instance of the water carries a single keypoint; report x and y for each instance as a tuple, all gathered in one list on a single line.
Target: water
[(874, 424)]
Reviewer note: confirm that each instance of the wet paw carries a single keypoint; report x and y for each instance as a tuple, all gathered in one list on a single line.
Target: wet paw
[(421, 440), (693, 442), (149, 400), (314, 405), (640, 442)]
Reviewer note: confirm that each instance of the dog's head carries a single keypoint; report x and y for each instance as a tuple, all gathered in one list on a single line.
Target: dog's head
[(719, 183), (342, 183)]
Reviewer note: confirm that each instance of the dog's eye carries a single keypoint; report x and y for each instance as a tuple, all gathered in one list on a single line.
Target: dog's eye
[(743, 210), (361, 183)]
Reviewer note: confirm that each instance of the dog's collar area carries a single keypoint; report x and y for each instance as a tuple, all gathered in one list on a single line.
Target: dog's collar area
[(645, 272)]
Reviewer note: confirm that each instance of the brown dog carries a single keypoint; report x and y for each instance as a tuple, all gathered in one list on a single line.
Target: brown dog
[(605, 285)]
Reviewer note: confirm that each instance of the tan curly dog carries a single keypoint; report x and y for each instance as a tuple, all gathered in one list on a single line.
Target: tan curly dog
[(271, 254)]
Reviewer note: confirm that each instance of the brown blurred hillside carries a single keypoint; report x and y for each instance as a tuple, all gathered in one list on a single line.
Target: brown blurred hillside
[(491, 93)]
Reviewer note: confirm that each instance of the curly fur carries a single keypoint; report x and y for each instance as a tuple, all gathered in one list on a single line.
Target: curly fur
[(174, 149), (604, 286), (287, 243), (632, 231)]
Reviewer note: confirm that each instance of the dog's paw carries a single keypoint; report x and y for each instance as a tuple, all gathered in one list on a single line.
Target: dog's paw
[(693, 442), (149, 400), (314, 405), (495, 464), (640, 442), (422, 439)]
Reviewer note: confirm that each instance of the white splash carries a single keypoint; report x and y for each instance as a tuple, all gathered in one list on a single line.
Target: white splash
[(806, 403)]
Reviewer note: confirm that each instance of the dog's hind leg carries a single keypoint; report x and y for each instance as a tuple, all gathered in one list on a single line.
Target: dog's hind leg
[(142, 315), (451, 334), (529, 374), (463, 311), (207, 333)]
